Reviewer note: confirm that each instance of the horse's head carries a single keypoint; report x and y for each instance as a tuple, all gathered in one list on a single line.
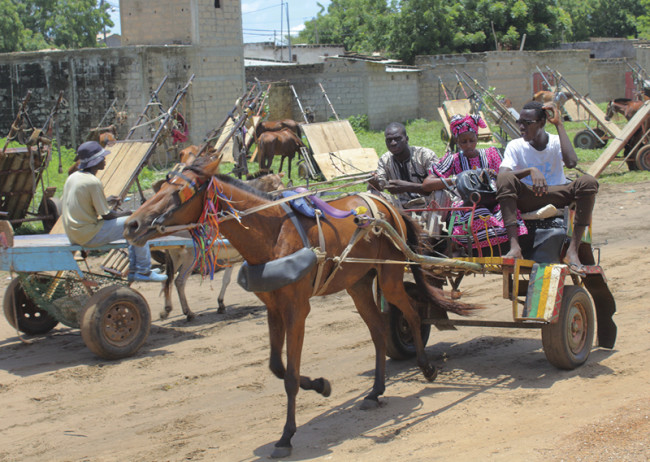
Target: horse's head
[(179, 201)]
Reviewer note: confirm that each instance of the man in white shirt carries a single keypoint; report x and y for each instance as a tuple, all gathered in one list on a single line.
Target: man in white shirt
[(532, 176)]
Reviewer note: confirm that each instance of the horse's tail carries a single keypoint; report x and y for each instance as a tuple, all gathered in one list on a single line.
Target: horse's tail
[(435, 295)]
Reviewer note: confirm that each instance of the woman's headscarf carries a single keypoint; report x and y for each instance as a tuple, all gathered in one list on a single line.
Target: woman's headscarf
[(461, 124)]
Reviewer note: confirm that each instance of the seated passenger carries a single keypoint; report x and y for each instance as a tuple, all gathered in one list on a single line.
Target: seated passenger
[(402, 169), (532, 176), (487, 225)]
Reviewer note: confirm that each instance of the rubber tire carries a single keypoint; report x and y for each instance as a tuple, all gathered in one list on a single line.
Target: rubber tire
[(399, 342), (643, 158), (32, 320), (585, 140), (107, 335), (444, 136), (564, 348), (54, 207)]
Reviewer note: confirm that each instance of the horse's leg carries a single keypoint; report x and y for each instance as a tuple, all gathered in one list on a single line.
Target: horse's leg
[(362, 295), (391, 283), (184, 271), (225, 280), (170, 256), (284, 313), (282, 163)]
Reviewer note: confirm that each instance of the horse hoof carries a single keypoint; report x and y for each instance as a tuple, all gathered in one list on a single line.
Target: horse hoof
[(190, 317), (327, 388), (430, 373), (221, 309), (281, 452), (369, 403), (164, 314)]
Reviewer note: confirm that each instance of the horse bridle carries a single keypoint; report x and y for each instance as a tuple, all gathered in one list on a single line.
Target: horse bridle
[(188, 189)]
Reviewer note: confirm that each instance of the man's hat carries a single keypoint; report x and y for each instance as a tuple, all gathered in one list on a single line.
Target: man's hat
[(90, 154)]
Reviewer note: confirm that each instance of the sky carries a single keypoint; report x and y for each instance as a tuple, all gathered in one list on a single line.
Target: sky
[(262, 20)]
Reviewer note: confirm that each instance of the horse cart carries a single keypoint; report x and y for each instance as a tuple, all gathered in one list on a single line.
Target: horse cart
[(22, 169), (54, 282), (545, 295)]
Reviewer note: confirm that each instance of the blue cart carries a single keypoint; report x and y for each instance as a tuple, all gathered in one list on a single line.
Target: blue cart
[(53, 283)]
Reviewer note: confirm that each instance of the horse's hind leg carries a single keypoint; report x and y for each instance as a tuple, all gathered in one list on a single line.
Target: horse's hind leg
[(392, 286), (184, 271), (167, 285), (362, 295), (225, 281)]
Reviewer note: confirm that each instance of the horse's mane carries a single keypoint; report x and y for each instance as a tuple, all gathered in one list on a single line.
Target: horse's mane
[(256, 175), (198, 167), (622, 100), (243, 186)]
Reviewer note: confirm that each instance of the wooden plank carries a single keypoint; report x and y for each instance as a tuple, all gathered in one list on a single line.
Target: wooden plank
[(620, 141), (227, 150), (325, 137), (346, 162), (575, 111), (599, 116), (445, 121)]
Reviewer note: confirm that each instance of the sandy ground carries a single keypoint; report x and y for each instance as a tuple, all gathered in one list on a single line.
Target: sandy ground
[(202, 390)]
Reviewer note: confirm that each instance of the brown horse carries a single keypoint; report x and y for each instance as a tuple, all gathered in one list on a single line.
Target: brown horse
[(283, 143), (263, 232), (276, 126), (546, 97), (624, 106)]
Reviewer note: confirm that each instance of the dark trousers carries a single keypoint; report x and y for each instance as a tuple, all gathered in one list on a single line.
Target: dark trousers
[(514, 194)]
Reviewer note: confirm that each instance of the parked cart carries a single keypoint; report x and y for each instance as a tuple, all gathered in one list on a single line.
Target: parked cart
[(22, 169)]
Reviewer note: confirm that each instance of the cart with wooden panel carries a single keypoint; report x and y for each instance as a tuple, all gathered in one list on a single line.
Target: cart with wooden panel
[(334, 151)]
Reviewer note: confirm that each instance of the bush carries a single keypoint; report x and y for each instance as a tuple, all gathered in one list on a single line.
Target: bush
[(359, 123)]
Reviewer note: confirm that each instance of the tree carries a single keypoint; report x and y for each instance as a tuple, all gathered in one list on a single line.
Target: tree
[(38, 24)]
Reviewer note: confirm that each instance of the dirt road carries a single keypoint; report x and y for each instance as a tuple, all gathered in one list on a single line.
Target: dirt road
[(202, 390)]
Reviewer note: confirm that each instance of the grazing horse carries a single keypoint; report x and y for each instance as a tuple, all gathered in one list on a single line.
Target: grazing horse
[(179, 263), (624, 106), (283, 143), (351, 252)]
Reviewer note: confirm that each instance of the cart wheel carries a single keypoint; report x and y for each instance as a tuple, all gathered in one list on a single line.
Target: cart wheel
[(585, 140), (601, 134), (399, 344), (31, 319), (643, 158), (115, 322), (444, 136), (567, 342), (53, 209), (303, 171)]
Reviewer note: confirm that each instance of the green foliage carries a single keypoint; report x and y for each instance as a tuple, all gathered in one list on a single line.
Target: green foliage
[(29, 26), (359, 122), (406, 28)]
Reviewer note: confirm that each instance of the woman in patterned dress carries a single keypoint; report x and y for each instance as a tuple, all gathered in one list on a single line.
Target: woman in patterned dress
[(487, 228)]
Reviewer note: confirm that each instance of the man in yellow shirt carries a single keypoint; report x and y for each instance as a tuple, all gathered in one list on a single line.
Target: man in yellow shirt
[(88, 219)]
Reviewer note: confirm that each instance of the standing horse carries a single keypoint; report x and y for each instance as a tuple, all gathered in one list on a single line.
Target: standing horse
[(284, 143), (276, 126), (624, 106), (267, 233)]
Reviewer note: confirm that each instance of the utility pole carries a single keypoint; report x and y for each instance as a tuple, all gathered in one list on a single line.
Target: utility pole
[(281, 29), (289, 34)]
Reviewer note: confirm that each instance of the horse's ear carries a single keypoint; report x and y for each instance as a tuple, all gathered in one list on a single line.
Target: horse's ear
[(213, 167)]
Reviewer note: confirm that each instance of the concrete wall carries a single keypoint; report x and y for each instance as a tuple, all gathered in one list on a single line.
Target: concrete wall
[(354, 87), (92, 78)]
